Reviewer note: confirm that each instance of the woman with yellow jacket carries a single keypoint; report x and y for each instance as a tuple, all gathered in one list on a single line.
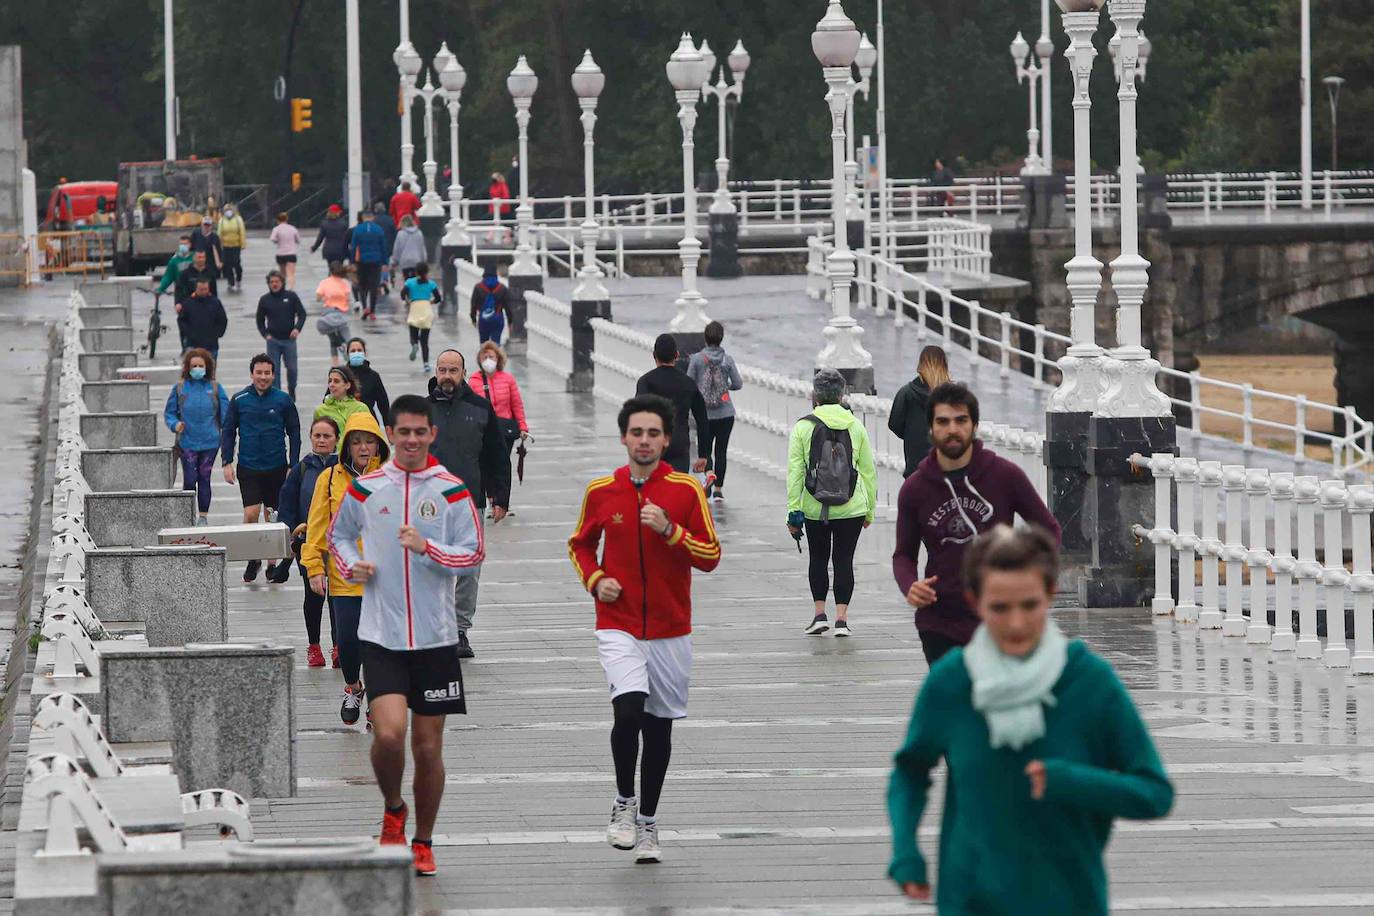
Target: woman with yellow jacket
[(362, 451)]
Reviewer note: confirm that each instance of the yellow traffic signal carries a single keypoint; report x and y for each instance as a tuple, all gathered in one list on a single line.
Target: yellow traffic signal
[(295, 181), (300, 115)]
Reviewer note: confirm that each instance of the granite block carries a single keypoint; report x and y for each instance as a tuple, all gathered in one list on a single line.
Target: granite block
[(105, 365), (94, 340), (516, 309), (226, 709), (115, 396), (724, 251), (112, 470), (105, 316), (111, 291), (1066, 442), (584, 341), (133, 519), (119, 430), (178, 592), (53, 886)]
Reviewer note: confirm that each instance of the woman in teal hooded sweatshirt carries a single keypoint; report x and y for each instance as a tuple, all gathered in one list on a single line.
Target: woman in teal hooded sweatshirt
[(1044, 749)]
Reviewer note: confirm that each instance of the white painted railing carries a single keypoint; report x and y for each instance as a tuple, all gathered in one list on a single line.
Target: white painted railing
[(548, 323), (1305, 511)]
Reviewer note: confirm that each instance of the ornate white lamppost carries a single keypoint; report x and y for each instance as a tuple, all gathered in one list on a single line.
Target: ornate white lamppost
[(864, 61), (1027, 72), (453, 78), (522, 84), (1142, 59), (408, 65), (835, 43), (588, 81), (739, 65), (1044, 49), (687, 72), (431, 204)]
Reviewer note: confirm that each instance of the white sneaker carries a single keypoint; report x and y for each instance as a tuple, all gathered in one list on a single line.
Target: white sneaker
[(646, 848), (623, 832)]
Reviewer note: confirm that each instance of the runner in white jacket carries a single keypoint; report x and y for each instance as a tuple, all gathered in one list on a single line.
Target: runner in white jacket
[(417, 527)]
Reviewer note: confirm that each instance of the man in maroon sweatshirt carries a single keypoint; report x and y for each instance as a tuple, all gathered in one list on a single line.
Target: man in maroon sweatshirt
[(958, 491)]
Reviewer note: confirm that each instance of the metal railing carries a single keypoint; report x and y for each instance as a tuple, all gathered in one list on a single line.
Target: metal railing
[(45, 255)]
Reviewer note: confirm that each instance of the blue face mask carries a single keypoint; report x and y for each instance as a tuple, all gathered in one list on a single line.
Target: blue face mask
[(182, 249), (197, 372), (357, 359)]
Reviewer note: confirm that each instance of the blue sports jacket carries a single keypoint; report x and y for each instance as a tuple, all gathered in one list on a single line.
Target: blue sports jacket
[(369, 244), (260, 424)]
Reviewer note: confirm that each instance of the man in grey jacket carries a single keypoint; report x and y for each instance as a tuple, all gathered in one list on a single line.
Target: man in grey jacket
[(716, 376)]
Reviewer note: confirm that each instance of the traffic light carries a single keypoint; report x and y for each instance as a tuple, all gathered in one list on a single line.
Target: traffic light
[(295, 181), (300, 115)]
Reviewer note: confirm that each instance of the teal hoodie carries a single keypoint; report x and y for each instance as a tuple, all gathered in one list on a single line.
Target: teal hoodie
[(1001, 852), (799, 452)]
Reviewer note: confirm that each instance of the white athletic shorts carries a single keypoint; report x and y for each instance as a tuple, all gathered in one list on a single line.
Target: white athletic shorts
[(662, 668)]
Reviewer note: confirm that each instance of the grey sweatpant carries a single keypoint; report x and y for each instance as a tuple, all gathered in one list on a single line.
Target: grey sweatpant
[(465, 592)]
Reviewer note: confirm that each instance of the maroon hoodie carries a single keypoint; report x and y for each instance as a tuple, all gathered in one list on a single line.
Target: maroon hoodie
[(945, 513)]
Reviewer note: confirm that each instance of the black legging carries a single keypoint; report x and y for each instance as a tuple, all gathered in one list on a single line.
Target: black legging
[(420, 336), (630, 720), (233, 265), (345, 610), (718, 440), (314, 611), (843, 534)]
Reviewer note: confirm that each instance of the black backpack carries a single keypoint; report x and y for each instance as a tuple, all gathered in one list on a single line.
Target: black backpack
[(831, 477)]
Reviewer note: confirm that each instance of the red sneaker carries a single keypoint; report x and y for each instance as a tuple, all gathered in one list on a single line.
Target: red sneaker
[(424, 859), (314, 657), (334, 657), (394, 827)]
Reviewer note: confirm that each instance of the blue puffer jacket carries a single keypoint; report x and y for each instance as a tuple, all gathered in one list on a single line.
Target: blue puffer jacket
[(193, 403), (369, 244), (260, 423), (296, 493)]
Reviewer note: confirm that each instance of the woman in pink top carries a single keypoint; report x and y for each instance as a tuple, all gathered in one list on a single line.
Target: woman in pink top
[(493, 382), (287, 239), (335, 293)]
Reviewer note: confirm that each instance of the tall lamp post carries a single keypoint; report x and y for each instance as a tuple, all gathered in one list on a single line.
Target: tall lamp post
[(456, 243), (835, 43), (431, 204), (1044, 49), (1333, 86), (524, 270), (688, 72), (1305, 98), (1027, 72), (169, 81), (1142, 59), (588, 81), (865, 59), (408, 66), (724, 220), (353, 56)]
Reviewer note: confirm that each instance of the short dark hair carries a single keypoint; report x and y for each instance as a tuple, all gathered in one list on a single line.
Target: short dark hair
[(954, 394), (276, 273), (330, 420), (1009, 549), (665, 348), (641, 403), (355, 340), (261, 358), (411, 404), (422, 269), (715, 333), (185, 236)]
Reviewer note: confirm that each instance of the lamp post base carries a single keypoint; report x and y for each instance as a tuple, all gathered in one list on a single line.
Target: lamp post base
[(1066, 444), (447, 255), (519, 284), (583, 377), (433, 228), (859, 379), (724, 257)]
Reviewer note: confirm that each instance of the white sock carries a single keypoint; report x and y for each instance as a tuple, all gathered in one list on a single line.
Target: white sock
[(622, 800), (643, 819)]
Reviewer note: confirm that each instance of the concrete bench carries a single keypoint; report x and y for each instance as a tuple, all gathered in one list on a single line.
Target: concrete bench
[(163, 376), (226, 710), (105, 365), (119, 469), (95, 340), (148, 803), (133, 429), (177, 592), (117, 395), (243, 542), (134, 518)]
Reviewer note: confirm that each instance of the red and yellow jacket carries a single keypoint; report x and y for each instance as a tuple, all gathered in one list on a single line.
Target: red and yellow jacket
[(654, 572)]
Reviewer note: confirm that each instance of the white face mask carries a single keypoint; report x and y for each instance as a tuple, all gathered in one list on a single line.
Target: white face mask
[(488, 366)]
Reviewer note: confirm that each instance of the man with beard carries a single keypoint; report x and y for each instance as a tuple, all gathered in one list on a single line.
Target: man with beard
[(471, 446), (958, 491)]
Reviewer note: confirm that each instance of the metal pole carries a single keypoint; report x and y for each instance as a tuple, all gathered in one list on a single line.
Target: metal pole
[(169, 79), (524, 213), (432, 203), (355, 110), (1305, 90), (1044, 47), (691, 305), (455, 231), (883, 241)]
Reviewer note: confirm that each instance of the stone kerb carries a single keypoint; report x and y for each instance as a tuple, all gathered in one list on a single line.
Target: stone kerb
[(116, 469), (105, 366), (226, 709), (177, 592), (118, 396), (119, 429), (133, 518), (96, 340)]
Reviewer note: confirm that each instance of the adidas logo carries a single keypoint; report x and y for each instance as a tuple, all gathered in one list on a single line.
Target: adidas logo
[(385, 511)]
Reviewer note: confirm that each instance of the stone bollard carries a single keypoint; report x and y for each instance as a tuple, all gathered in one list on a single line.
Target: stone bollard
[(177, 592), (95, 340), (516, 308), (109, 470), (104, 366), (226, 709), (119, 430), (116, 396), (106, 316), (724, 252), (133, 518)]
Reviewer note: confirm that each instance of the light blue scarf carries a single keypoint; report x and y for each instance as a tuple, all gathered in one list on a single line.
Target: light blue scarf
[(1011, 692)]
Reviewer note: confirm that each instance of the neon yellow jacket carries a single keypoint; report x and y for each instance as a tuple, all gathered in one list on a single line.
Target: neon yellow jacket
[(232, 232), (799, 452)]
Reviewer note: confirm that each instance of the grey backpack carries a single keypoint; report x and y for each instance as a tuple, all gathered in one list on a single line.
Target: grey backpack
[(831, 477)]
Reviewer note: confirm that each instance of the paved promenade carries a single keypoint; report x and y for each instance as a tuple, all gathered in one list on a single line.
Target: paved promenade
[(774, 802)]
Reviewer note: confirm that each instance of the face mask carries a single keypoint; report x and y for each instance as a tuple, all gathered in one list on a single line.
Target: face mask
[(356, 359), (489, 366), (228, 214), (197, 372), (182, 249)]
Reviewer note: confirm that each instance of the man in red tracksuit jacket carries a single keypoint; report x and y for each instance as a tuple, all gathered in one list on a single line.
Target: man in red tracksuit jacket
[(657, 529)]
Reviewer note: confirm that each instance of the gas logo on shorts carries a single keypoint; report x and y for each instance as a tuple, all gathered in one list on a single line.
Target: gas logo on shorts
[(429, 509), (454, 691)]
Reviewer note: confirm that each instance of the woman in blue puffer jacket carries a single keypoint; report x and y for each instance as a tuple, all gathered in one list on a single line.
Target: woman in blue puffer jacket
[(195, 411)]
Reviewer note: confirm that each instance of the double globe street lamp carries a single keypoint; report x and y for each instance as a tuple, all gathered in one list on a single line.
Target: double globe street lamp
[(522, 84), (688, 72), (722, 92), (1028, 72), (588, 82)]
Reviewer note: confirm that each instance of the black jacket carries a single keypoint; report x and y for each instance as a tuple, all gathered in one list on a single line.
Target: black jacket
[(908, 422), (479, 299), (388, 226), (372, 392), (677, 386), (470, 443), (210, 244), (203, 322), (332, 237), (189, 277), (279, 314)]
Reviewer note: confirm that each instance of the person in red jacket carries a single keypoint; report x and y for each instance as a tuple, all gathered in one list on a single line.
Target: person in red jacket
[(404, 203), (657, 529)]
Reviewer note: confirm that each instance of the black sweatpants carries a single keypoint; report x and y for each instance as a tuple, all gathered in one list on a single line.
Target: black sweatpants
[(833, 541), (718, 442)]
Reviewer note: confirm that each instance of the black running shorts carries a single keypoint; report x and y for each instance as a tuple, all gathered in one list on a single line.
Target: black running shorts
[(261, 487), (430, 679)]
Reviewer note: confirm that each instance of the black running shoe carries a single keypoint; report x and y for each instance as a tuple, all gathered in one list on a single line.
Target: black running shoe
[(464, 647), (250, 574), (817, 626), (352, 706), (279, 572)]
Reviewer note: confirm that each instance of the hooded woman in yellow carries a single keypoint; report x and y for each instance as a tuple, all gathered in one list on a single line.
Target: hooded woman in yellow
[(362, 451)]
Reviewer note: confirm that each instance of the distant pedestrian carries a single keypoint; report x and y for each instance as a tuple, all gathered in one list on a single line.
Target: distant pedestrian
[(716, 376), (293, 511), (233, 236), (499, 193), (202, 320), (341, 397), (493, 382), (368, 251), (206, 239), (959, 490), (334, 294), (287, 239), (668, 381), (371, 390), (200, 268), (907, 419), (179, 259), (404, 203), (422, 298), (332, 236), (1043, 745), (490, 298), (281, 316), (196, 409), (942, 179), (832, 487), (409, 251), (263, 419)]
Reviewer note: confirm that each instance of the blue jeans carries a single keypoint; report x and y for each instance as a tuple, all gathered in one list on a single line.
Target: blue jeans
[(283, 351), (347, 612), (491, 328), (196, 470)]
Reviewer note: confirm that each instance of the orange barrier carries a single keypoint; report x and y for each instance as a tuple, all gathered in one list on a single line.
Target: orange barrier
[(82, 252)]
